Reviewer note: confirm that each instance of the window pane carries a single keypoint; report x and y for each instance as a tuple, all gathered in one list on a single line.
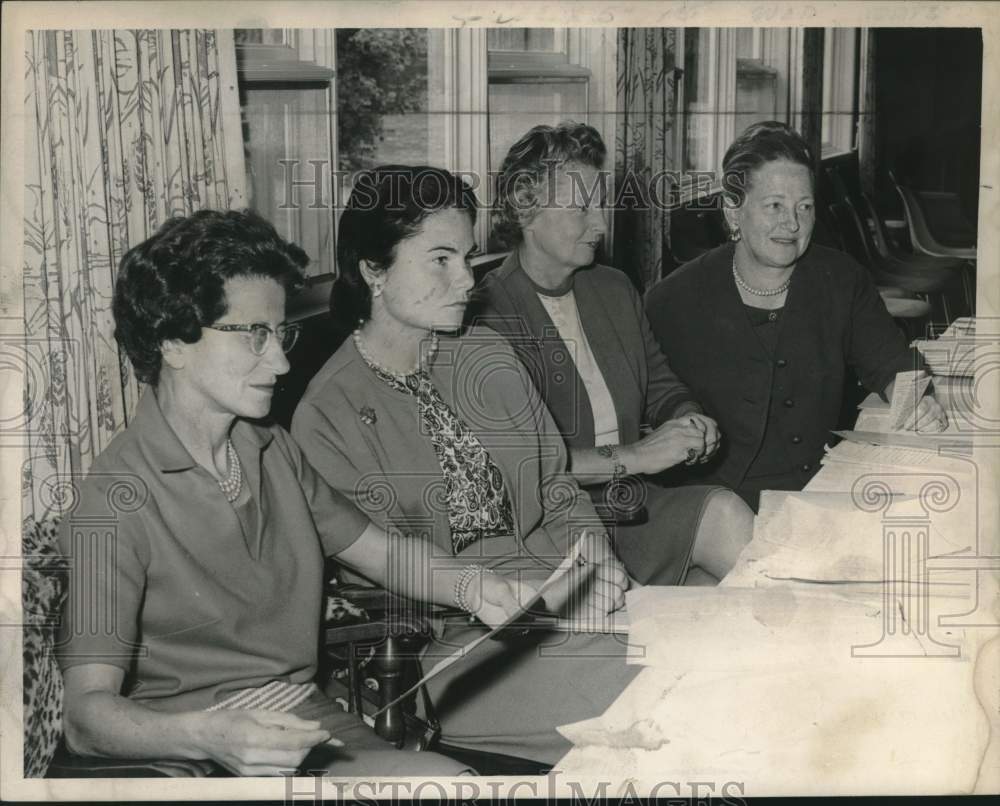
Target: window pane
[(745, 43), (515, 108), (538, 40), (258, 36), (382, 98), (283, 131), (699, 116), (756, 93)]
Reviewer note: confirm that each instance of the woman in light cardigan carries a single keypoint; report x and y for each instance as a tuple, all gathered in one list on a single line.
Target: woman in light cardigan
[(580, 329)]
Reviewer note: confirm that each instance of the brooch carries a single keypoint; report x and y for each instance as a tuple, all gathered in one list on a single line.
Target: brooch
[(368, 415)]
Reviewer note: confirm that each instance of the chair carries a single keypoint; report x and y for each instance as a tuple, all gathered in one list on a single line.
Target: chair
[(956, 239), (938, 229), (896, 290), (870, 245)]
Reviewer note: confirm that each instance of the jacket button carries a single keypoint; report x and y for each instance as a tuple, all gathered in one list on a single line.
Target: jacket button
[(796, 439), (805, 468), (789, 403), (781, 363)]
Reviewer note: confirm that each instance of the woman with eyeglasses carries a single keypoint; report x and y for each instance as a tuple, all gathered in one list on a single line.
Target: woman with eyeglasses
[(192, 634)]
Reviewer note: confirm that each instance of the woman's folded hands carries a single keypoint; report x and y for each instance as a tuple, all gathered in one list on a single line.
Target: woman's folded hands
[(691, 438)]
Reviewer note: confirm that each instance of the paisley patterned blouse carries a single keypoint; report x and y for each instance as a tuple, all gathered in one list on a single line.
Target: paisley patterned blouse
[(477, 500)]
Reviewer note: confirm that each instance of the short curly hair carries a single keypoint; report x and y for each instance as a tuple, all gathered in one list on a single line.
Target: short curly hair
[(173, 283), (387, 205), (530, 160), (760, 143)]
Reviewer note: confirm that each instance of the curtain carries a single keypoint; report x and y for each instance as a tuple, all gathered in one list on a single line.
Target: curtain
[(644, 149), (867, 132), (123, 129)]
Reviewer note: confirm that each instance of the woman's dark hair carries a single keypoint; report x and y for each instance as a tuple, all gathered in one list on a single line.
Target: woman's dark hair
[(761, 143), (173, 283), (531, 160), (387, 205)]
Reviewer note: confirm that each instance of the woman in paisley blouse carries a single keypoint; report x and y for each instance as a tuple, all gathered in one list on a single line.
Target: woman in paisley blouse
[(444, 435)]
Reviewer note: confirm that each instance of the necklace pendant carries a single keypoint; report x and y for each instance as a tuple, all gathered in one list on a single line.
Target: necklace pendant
[(368, 416)]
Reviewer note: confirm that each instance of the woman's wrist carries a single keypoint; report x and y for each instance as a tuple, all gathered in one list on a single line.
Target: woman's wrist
[(630, 458), (199, 737), (468, 591)]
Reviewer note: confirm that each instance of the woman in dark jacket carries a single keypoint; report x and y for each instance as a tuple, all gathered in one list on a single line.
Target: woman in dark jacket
[(580, 330), (762, 329)]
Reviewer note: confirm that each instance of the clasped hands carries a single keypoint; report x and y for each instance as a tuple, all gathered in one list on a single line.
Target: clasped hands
[(691, 438)]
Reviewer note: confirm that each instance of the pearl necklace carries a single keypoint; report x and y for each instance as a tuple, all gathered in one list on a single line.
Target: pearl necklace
[(421, 362), (232, 484), (759, 292)]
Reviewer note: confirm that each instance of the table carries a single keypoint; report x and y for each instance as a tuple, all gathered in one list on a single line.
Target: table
[(840, 654)]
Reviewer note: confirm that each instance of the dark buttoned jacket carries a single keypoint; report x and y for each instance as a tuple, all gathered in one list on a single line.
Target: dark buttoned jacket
[(833, 318)]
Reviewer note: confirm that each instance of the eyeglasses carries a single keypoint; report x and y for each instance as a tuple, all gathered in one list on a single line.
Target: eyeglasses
[(260, 335)]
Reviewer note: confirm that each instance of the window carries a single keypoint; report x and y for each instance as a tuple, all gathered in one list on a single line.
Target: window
[(734, 77), (531, 82), (285, 102), (320, 105), (841, 85)]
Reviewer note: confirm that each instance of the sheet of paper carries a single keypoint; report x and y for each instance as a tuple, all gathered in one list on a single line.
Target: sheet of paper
[(907, 390), (845, 538), (677, 628), (873, 401), (877, 725), (881, 456), (909, 439)]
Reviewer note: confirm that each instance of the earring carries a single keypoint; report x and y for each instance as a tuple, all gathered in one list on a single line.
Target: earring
[(377, 289), (735, 234)]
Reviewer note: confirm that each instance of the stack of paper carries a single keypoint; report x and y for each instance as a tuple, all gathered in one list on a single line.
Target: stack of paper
[(953, 353)]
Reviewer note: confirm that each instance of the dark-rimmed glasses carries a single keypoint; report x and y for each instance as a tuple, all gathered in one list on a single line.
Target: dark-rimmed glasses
[(260, 335)]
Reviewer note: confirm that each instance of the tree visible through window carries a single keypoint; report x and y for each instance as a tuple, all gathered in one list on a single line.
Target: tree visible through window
[(381, 96)]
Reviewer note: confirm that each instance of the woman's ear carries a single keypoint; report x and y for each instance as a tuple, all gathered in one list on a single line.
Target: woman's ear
[(732, 213), (174, 353), (370, 274)]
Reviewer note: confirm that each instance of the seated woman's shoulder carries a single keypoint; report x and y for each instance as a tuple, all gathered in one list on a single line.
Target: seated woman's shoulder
[(334, 374), (609, 278), (680, 279), (828, 256)]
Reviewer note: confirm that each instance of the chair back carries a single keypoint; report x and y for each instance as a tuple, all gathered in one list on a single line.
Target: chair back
[(852, 233), (43, 593)]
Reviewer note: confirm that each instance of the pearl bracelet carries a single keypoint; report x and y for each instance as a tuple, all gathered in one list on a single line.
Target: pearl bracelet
[(468, 574)]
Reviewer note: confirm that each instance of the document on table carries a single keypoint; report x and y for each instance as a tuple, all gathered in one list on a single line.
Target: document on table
[(679, 628), (841, 538), (888, 725), (932, 443), (864, 453), (907, 390)]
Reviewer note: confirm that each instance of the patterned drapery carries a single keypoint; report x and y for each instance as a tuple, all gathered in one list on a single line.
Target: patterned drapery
[(123, 129), (644, 149)]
